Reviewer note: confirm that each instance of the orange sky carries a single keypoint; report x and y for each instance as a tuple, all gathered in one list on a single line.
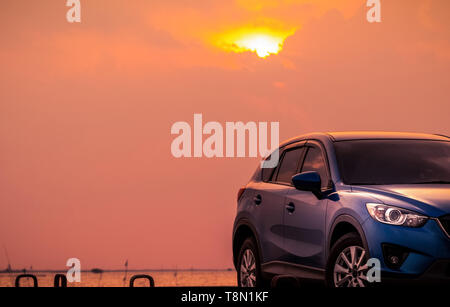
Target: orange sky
[(86, 111)]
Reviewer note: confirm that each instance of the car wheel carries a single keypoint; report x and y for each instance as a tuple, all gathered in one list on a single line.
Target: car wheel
[(248, 268), (347, 264)]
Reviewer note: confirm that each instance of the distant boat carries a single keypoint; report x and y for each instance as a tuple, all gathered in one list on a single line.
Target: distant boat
[(9, 268), (97, 271), (100, 272)]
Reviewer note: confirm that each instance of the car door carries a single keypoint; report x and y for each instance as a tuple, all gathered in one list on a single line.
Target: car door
[(304, 216), (269, 199)]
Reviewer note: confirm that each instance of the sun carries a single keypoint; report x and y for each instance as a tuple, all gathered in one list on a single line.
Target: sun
[(263, 44), (262, 41)]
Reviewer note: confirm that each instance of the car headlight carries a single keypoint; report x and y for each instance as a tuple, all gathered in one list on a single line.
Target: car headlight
[(395, 216)]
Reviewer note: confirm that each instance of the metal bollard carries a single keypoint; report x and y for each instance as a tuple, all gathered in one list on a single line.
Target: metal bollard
[(19, 277), (60, 281), (148, 277)]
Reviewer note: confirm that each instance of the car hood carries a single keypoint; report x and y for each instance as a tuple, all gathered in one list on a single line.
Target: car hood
[(430, 199)]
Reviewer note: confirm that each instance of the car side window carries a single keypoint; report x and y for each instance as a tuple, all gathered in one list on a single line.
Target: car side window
[(289, 165), (266, 173), (314, 161)]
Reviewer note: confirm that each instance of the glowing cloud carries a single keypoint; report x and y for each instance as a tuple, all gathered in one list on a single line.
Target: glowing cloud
[(262, 41)]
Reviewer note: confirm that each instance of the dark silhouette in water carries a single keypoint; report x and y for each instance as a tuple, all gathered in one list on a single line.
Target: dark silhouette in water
[(98, 271), (175, 274), (27, 276), (60, 281), (9, 268), (142, 276), (126, 272)]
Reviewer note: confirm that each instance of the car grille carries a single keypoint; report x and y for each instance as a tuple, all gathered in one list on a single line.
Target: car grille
[(445, 223)]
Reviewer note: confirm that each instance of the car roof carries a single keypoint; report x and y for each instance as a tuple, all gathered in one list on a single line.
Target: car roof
[(367, 135), (370, 135)]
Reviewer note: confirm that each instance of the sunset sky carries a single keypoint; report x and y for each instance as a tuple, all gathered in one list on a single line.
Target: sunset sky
[(86, 111)]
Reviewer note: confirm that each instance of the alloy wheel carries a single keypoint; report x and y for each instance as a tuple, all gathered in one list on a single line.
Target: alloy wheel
[(248, 269), (350, 268)]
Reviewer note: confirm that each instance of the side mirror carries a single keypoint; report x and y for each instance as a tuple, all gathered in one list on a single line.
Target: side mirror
[(308, 181)]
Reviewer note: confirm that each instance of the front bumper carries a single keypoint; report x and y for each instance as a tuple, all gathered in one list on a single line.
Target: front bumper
[(438, 273), (428, 247)]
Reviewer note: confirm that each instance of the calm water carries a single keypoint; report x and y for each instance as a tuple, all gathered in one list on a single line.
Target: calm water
[(115, 279)]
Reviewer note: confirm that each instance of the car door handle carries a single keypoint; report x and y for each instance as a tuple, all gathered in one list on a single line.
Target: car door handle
[(257, 199), (290, 207)]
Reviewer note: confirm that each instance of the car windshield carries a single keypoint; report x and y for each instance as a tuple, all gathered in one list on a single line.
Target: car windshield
[(378, 162)]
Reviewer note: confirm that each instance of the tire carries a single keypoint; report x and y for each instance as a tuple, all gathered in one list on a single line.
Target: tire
[(346, 266), (249, 265)]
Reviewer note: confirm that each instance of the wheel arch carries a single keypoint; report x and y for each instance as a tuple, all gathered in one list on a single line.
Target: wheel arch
[(243, 230), (342, 225)]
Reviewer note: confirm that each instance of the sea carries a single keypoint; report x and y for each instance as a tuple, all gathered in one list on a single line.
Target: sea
[(190, 278)]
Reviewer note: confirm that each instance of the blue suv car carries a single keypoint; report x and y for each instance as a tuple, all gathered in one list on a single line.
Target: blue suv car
[(336, 200)]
